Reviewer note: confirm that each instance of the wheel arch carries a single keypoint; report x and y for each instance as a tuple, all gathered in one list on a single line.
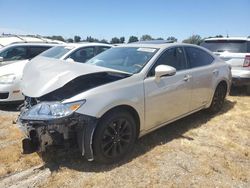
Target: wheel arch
[(225, 84), (132, 111)]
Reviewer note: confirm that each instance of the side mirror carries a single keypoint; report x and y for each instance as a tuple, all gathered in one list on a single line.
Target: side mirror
[(70, 60), (164, 70), (1, 59)]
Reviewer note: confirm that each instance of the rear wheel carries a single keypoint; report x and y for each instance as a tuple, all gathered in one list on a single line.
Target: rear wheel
[(218, 99), (114, 137)]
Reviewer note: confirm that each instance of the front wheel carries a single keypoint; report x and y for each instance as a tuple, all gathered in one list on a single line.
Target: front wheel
[(114, 137), (218, 99)]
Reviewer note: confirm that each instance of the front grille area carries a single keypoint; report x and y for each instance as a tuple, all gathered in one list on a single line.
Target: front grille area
[(4, 95), (29, 102)]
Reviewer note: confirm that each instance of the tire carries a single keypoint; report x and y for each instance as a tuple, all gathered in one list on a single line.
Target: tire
[(218, 99), (114, 137)]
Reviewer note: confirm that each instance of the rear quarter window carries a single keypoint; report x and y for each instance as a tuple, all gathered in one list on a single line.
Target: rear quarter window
[(197, 57)]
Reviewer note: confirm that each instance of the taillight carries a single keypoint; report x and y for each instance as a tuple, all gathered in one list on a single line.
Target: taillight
[(247, 61)]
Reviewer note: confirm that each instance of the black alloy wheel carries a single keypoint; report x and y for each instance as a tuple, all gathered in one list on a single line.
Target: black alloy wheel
[(114, 137), (218, 99)]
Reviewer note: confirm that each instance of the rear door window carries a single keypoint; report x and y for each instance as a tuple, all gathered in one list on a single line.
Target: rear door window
[(83, 54), (197, 57), (36, 50), (234, 46), (15, 53)]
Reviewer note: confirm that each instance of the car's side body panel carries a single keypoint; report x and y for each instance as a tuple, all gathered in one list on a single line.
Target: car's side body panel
[(163, 98), (128, 91)]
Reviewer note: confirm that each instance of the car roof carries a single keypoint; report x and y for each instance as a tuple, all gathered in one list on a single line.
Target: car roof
[(151, 45), (228, 38), (32, 44), (154, 42), (7, 39), (85, 44)]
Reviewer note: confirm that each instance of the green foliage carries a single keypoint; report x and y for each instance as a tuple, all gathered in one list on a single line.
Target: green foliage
[(146, 37), (122, 39), (77, 38), (132, 39), (70, 40), (103, 41), (115, 40), (194, 39), (172, 39), (91, 39), (56, 37), (160, 38)]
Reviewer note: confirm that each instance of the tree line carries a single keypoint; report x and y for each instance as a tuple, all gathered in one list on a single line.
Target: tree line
[(194, 39)]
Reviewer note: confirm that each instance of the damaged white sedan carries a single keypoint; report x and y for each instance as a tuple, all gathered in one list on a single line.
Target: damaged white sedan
[(118, 96)]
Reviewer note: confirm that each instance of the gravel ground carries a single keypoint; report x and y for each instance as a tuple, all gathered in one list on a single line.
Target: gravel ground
[(198, 151)]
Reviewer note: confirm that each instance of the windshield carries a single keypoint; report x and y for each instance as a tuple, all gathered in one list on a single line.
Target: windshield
[(235, 46), (126, 59), (56, 52)]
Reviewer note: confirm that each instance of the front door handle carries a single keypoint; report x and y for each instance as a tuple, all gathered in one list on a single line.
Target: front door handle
[(187, 78)]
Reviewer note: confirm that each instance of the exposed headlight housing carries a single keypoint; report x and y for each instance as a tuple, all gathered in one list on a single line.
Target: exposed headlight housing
[(51, 110), (7, 79)]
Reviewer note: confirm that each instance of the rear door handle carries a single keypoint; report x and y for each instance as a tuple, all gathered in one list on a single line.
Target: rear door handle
[(187, 78)]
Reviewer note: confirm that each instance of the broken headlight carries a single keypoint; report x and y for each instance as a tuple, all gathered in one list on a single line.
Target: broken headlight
[(51, 110)]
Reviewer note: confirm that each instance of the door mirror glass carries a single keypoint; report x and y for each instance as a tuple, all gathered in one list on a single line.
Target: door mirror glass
[(164, 70), (1, 59)]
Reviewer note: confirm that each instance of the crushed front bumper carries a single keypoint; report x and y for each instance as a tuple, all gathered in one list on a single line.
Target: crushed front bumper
[(41, 134)]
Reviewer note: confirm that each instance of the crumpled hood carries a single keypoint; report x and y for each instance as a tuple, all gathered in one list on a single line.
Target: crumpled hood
[(43, 75)]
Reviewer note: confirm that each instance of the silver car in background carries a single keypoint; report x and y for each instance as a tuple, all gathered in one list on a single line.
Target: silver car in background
[(119, 95), (236, 52)]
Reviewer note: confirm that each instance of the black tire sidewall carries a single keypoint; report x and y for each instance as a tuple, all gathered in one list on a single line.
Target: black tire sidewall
[(102, 124), (222, 91)]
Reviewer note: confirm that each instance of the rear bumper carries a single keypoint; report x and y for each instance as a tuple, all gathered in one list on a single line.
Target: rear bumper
[(238, 81), (42, 134), (241, 77)]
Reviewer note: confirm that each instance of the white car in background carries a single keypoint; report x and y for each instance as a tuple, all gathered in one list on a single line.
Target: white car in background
[(11, 74), (13, 58), (22, 51), (7, 39), (236, 52), (75, 52)]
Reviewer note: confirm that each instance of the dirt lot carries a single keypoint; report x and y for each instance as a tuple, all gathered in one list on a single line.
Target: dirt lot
[(198, 151)]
